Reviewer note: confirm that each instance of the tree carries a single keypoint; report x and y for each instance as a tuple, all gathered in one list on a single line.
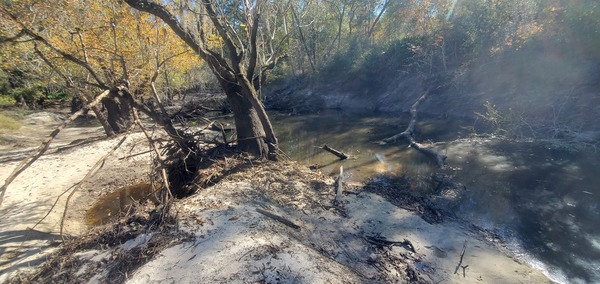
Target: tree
[(238, 67), (94, 46)]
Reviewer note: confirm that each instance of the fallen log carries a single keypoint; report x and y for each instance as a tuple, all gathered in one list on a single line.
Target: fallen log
[(409, 132), (339, 154)]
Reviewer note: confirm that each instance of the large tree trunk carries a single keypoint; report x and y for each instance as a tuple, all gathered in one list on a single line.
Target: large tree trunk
[(235, 73), (250, 131), (118, 113), (103, 121)]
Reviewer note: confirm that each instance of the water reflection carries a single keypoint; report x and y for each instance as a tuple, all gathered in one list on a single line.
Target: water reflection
[(545, 201), (109, 207), (356, 135), (543, 197)]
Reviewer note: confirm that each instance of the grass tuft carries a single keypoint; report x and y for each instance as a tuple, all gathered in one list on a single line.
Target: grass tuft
[(8, 123)]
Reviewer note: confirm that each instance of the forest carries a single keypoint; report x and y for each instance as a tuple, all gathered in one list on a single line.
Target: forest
[(265, 118)]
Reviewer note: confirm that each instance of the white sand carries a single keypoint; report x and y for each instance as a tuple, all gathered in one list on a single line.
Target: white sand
[(233, 242)]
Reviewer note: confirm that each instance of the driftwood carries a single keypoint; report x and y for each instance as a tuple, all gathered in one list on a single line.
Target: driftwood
[(159, 156), (380, 241), (409, 132), (278, 218), (462, 255), (339, 154), (46, 144), (339, 185)]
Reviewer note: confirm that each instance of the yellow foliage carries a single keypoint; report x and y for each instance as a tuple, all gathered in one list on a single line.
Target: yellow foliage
[(105, 33)]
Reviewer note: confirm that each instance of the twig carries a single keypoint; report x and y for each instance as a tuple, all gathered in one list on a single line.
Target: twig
[(134, 155), (278, 218), (462, 254), (159, 156)]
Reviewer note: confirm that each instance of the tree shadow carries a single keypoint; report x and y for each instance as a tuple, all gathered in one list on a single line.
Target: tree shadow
[(21, 248), (545, 198)]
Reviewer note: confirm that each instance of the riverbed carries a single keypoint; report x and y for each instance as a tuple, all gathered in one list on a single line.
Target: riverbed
[(542, 201)]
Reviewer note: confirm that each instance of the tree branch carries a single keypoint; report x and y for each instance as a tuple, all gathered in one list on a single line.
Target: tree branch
[(253, 46), (234, 53), (215, 60), (408, 135), (14, 38), (64, 54)]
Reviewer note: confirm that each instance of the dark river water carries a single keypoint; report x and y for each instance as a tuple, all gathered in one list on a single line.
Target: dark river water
[(544, 202)]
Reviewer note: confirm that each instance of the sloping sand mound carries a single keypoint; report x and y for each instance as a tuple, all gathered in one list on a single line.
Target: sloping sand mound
[(276, 223)]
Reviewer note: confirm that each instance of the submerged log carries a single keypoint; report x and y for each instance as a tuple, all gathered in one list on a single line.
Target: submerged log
[(409, 132), (339, 154)]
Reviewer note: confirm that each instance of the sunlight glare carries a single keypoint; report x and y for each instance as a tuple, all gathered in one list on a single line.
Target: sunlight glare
[(451, 9)]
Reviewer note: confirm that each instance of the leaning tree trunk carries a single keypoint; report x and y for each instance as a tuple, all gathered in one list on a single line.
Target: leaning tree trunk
[(103, 121), (95, 108)]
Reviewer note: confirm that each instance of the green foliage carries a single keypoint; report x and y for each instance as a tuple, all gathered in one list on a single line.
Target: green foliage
[(27, 93), (7, 101), (371, 69), (582, 20), (57, 95)]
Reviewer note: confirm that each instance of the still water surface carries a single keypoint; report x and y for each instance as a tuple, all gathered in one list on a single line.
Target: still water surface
[(545, 202)]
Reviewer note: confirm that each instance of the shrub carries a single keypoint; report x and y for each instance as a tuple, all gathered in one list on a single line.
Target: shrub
[(7, 101)]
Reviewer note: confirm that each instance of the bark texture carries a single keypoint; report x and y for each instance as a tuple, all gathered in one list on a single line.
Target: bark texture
[(236, 69)]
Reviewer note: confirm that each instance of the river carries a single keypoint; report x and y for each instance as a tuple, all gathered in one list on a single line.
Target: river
[(544, 202)]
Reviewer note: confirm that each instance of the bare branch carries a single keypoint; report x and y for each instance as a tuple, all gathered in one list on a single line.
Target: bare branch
[(64, 54), (253, 46), (68, 81), (14, 38), (234, 53)]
